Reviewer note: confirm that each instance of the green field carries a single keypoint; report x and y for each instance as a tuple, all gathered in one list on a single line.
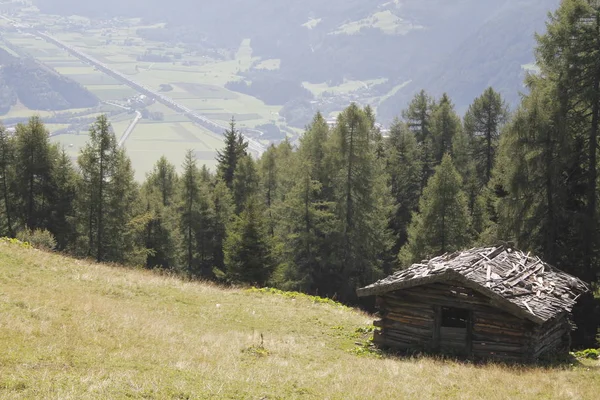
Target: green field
[(70, 329), (197, 82)]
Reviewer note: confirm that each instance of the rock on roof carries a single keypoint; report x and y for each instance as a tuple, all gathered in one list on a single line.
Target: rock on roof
[(517, 282)]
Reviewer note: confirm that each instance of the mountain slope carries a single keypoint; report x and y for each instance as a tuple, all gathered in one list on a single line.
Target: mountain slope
[(460, 47), (493, 55), (70, 329)]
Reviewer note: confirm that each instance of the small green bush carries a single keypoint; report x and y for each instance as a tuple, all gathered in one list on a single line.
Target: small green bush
[(15, 242), (593, 354), (38, 238)]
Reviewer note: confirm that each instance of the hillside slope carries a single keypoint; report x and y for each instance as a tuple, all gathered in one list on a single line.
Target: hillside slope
[(70, 329)]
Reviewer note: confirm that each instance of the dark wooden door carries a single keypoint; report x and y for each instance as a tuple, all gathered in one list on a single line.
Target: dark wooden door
[(453, 330)]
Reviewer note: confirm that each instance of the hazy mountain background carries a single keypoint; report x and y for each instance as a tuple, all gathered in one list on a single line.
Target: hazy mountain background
[(459, 47)]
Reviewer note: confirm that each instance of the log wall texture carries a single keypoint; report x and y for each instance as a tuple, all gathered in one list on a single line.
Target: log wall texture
[(411, 320)]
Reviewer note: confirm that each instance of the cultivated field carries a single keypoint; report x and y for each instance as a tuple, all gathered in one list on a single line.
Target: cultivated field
[(193, 77), (74, 330)]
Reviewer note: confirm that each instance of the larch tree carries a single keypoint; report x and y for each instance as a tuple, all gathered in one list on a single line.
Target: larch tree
[(483, 123), (65, 181), (246, 183), (419, 119), (228, 158), (248, 246), (363, 202), (106, 197), (159, 193), (445, 126), (7, 182), (442, 223), (34, 164), (224, 211), (196, 221), (307, 218), (569, 56), (404, 168)]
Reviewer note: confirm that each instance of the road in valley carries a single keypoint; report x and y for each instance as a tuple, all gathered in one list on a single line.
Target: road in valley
[(130, 128)]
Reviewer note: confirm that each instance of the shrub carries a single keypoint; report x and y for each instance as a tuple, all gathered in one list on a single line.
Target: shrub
[(38, 238), (588, 353)]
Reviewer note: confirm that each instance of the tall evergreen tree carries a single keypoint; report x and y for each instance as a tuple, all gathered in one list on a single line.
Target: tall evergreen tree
[(196, 221), (569, 55), (419, 119), (63, 217), (362, 202), (34, 164), (97, 163), (483, 122), (227, 159), (549, 162), (534, 158), (269, 181), (245, 183), (7, 181), (445, 126), (442, 223), (125, 220), (223, 214), (159, 193), (307, 223), (187, 210), (248, 246), (404, 169)]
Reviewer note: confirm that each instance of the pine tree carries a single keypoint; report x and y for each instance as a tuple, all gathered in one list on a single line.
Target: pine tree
[(245, 183), (404, 169), (34, 163), (97, 162), (269, 182), (7, 181), (362, 202), (196, 221), (418, 116), (445, 126), (483, 122), (125, 218), (189, 199), (235, 149), (248, 247), (307, 220), (442, 223), (569, 56), (462, 151), (163, 180), (547, 174), (419, 119), (159, 193), (65, 181), (223, 214), (534, 157)]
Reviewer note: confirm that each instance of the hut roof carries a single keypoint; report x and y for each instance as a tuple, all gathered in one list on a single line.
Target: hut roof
[(519, 283)]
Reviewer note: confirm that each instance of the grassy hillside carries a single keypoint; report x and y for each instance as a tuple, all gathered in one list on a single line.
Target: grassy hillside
[(74, 330)]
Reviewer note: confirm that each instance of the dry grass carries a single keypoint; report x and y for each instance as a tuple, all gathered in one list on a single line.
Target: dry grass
[(74, 330)]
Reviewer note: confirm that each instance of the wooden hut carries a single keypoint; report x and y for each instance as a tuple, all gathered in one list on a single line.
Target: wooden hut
[(493, 302)]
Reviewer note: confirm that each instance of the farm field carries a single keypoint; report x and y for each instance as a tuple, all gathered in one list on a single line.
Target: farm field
[(71, 329), (190, 77)]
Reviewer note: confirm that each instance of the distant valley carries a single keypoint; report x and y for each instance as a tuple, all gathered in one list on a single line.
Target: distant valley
[(270, 65)]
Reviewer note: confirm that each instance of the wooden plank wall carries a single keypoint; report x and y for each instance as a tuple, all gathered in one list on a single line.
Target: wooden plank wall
[(410, 320)]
